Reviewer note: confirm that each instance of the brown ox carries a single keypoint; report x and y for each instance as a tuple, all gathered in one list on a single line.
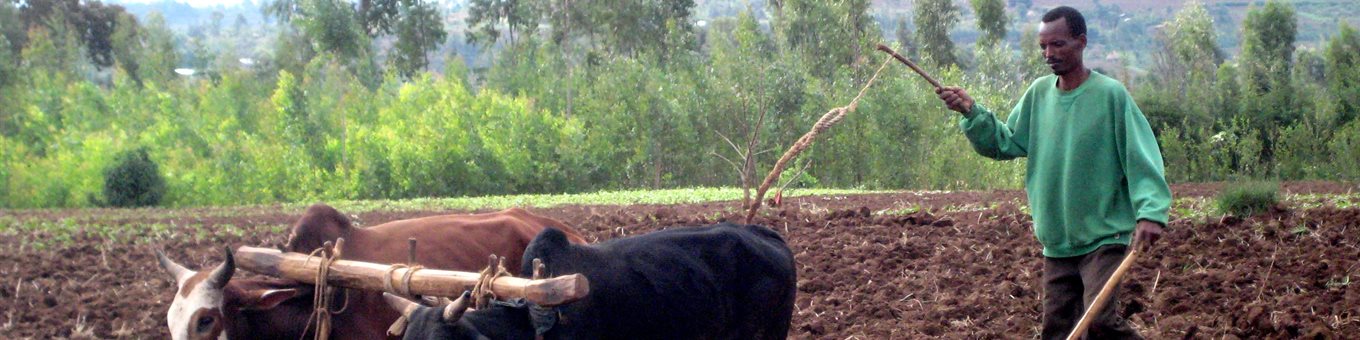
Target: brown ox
[(209, 305)]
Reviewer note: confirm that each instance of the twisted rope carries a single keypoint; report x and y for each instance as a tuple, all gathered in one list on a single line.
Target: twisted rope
[(399, 326), (481, 292), (830, 118), (324, 294), (405, 287)]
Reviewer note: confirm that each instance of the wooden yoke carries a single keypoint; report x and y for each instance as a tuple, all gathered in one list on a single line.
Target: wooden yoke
[(429, 282)]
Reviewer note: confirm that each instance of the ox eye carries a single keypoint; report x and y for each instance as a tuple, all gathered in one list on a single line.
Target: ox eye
[(205, 324)]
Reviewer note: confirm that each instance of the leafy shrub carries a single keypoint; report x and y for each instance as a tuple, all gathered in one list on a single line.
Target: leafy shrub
[(1344, 151), (1248, 198), (133, 181)]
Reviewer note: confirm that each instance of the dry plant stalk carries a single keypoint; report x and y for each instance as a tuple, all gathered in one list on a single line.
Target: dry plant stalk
[(830, 118)]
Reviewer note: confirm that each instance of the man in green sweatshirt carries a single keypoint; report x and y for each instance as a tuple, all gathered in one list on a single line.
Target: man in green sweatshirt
[(1094, 178)]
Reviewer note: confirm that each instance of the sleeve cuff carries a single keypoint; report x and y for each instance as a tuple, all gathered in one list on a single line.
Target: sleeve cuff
[(1162, 220), (977, 109)]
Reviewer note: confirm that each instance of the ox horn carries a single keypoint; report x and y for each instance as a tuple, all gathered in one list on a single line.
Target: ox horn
[(406, 307), (177, 271), (454, 311), (222, 274)]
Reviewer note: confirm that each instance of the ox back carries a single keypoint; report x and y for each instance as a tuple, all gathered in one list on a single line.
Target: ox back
[(722, 281)]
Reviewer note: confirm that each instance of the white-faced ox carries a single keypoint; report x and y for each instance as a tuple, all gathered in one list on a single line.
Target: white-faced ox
[(721, 281), (213, 306)]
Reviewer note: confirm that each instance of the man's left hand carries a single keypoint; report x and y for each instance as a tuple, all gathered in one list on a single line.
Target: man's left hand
[(1146, 234)]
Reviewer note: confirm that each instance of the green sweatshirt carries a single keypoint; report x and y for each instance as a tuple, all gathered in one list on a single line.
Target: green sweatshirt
[(1093, 167)]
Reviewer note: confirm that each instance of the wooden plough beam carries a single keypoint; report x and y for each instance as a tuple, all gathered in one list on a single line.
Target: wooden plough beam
[(428, 282)]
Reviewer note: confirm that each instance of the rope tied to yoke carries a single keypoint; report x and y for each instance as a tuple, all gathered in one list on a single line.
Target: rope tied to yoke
[(405, 287), (831, 117), (323, 296), (399, 326), (482, 294)]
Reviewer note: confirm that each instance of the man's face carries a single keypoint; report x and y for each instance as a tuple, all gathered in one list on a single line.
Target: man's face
[(1062, 51)]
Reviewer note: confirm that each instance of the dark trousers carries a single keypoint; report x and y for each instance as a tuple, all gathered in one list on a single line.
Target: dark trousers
[(1072, 283)]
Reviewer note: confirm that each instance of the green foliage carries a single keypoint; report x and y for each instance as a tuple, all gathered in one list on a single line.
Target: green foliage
[(1267, 52), (1185, 68), (905, 42), (1192, 37), (991, 20), (153, 49), (1344, 151), (934, 19), (1343, 73), (133, 181), (612, 96), (1248, 198), (486, 16), (332, 26), (827, 34), (1197, 154), (419, 32), (1303, 152)]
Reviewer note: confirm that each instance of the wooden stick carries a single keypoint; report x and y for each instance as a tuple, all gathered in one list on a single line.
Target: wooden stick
[(910, 64), (429, 282), (1105, 292)]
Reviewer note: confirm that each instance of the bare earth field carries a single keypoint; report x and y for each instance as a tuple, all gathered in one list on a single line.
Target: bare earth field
[(886, 266)]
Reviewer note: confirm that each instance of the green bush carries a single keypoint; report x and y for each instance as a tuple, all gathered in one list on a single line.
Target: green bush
[(1248, 198), (133, 181)]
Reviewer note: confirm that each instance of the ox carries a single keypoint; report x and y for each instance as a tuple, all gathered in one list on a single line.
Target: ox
[(209, 305), (722, 281)]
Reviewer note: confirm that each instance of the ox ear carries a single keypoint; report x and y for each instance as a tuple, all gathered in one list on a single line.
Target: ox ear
[(454, 311), (401, 304), (178, 272), (264, 299)]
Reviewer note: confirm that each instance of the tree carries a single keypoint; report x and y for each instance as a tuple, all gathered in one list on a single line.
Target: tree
[(741, 60), (904, 37), (991, 20), (1227, 93), (419, 31), (1185, 67), (12, 26), (827, 34), (1343, 73), (381, 16), (9, 70), (156, 56), (53, 49), (934, 19), (283, 10), (660, 19), (331, 25), (1192, 38), (93, 21), (1268, 35), (126, 45), (134, 181), (486, 16), (8, 63)]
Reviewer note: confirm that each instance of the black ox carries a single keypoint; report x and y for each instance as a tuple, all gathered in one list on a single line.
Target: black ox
[(722, 281)]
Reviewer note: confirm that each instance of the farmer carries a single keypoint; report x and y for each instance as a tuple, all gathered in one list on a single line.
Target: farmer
[(1094, 175)]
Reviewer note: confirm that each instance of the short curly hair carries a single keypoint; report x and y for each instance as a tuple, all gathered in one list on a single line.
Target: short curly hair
[(1076, 23)]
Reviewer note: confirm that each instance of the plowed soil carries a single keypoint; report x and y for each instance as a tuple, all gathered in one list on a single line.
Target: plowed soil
[(891, 266)]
